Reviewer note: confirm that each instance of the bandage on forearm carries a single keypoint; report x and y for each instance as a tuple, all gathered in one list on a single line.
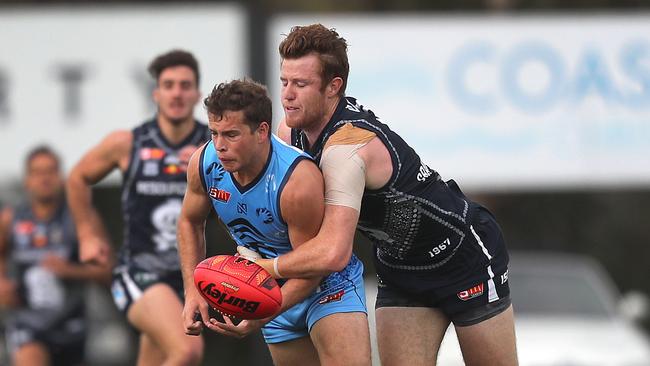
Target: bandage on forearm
[(344, 171)]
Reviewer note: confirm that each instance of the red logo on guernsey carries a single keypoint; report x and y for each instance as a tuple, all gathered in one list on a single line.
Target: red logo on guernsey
[(148, 153), (471, 293), (172, 169), (334, 297), (219, 194), (24, 227)]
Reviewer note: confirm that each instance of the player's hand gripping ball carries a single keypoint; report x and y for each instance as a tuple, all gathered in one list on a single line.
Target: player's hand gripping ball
[(237, 287)]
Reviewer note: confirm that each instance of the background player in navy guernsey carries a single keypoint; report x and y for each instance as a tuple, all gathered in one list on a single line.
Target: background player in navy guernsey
[(440, 257), (270, 197), (147, 282), (41, 279)]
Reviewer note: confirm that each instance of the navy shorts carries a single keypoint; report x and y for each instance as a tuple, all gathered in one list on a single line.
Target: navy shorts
[(66, 344), (475, 281), (130, 283)]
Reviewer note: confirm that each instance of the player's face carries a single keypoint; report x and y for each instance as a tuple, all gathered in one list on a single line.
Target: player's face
[(239, 148), (43, 180), (303, 99), (176, 94)]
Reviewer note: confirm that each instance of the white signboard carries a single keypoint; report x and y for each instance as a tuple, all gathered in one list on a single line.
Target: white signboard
[(68, 76), (522, 102)]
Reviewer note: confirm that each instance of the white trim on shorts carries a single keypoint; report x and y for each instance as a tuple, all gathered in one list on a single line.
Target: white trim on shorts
[(492, 291), (134, 291)]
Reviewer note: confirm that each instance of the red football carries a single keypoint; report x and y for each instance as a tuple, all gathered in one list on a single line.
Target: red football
[(237, 287)]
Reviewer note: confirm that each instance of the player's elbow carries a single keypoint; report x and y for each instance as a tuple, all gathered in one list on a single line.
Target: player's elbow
[(182, 227), (336, 261), (190, 221), (187, 227), (74, 180)]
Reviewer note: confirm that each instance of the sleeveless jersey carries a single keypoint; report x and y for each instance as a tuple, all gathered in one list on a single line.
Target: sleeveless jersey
[(50, 303), (416, 221), (152, 194), (252, 213)]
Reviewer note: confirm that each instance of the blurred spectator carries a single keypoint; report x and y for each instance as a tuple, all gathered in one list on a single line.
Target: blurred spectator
[(41, 279)]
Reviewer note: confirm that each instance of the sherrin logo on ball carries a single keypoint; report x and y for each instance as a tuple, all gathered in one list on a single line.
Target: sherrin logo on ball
[(237, 287), (222, 297), (227, 286)]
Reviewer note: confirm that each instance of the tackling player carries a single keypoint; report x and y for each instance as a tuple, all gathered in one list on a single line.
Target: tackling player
[(440, 258)]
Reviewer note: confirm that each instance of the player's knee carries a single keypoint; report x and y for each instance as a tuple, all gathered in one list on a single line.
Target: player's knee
[(359, 355), (186, 355), (355, 359)]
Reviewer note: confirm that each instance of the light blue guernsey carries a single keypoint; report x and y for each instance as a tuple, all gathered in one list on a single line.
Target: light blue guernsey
[(253, 217), (252, 212)]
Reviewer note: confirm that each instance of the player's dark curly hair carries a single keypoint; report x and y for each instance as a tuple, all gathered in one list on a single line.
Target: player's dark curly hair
[(41, 150), (171, 59), (326, 43), (241, 95)]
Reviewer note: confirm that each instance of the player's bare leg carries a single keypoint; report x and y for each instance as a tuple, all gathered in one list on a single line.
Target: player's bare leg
[(158, 314), (491, 342), (342, 339), (149, 353), (299, 351), (31, 354), (409, 335)]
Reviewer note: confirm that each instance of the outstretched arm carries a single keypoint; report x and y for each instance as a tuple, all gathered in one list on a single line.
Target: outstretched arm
[(356, 159), (111, 153), (191, 245), (328, 252), (344, 173), (331, 249)]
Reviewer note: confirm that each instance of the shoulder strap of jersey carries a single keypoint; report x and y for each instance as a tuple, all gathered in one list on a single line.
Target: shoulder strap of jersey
[(201, 167)]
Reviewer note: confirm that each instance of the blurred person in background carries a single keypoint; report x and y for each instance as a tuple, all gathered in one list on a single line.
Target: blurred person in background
[(147, 283), (440, 258), (281, 190), (41, 278)]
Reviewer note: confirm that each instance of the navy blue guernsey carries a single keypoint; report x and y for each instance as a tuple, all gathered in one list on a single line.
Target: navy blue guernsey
[(416, 221), (252, 213), (50, 303), (152, 194)]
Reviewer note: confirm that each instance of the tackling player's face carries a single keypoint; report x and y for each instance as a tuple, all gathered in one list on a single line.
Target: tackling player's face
[(303, 99), (43, 180), (176, 93), (239, 148)]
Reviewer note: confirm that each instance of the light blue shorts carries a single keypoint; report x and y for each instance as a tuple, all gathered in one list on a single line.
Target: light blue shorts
[(340, 292)]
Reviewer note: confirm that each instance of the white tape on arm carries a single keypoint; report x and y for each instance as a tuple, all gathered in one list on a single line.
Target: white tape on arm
[(275, 268), (345, 175)]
